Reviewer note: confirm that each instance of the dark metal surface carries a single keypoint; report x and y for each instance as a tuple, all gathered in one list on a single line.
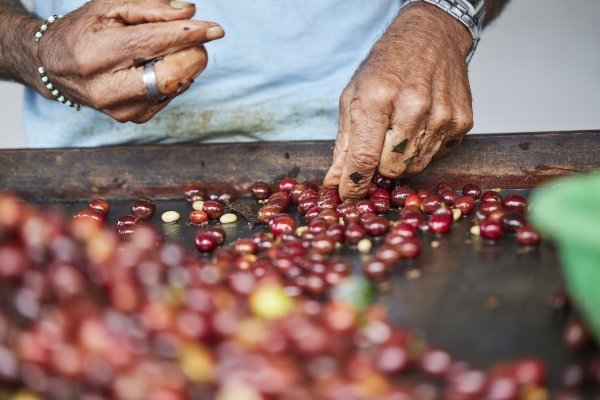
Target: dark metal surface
[(483, 302), (508, 161)]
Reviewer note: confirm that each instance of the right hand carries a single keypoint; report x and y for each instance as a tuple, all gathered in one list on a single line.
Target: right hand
[(95, 55)]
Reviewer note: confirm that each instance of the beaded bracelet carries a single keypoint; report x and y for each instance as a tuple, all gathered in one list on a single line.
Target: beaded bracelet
[(42, 72)]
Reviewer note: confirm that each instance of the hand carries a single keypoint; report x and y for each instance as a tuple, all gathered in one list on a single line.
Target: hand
[(408, 101), (95, 55)]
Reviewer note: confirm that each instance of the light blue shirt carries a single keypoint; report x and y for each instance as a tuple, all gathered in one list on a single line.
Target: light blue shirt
[(277, 75)]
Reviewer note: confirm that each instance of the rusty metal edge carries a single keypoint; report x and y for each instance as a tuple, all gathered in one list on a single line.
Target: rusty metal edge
[(519, 160)]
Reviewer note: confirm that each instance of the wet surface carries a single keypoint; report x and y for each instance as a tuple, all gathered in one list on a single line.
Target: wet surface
[(484, 302)]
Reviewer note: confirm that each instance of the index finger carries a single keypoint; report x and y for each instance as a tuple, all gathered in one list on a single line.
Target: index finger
[(137, 44), (369, 122), (144, 11)]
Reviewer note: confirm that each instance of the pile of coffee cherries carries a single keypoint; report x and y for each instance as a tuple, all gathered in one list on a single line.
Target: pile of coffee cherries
[(92, 312), (392, 214)]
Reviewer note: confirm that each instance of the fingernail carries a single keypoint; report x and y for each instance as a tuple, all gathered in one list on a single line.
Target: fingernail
[(181, 4), (215, 32)]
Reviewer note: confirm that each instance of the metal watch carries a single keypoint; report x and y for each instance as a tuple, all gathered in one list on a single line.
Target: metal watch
[(470, 13)]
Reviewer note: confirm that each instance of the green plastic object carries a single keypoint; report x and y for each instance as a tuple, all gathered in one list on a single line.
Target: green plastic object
[(568, 211)]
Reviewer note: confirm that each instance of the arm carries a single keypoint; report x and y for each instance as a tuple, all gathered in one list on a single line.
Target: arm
[(408, 101), (17, 49), (94, 55)]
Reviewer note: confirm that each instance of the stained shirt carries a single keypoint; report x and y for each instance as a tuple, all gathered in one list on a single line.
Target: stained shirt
[(277, 75)]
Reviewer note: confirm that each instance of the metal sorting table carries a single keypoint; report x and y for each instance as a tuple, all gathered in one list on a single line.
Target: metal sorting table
[(483, 302)]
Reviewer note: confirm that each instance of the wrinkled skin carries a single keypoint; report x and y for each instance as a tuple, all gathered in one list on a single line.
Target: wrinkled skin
[(410, 95), (95, 54)]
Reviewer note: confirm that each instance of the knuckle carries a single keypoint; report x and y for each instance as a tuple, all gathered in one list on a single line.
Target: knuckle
[(121, 117), (354, 192), (463, 122), (101, 102), (365, 161), (417, 100), (85, 65), (441, 115), (99, 96), (345, 99), (377, 92), (416, 168), (392, 170)]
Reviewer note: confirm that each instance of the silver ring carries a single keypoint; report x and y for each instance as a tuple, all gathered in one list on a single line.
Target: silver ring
[(149, 78)]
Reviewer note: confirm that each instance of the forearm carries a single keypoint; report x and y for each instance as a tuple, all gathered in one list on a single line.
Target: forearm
[(493, 9), (18, 55)]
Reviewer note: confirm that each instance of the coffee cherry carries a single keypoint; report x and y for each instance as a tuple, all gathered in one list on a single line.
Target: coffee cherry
[(490, 230), (443, 187), (382, 181), (100, 205), (266, 213), (387, 254), (375, 269), (281, 224), (404, 230), (379, 193), (435, 362), (412, 218), (194, 193), (286, 185), (365, 206), (205, 242), (392, 359), (515, 203), (491, 197), (330, 216), (559, 302), (440, 223), (431, 203), (449, 197), (382, 205), (490, 206), (465, 204), (245, 246), (502, 387), (399, 195), (127, 224), (412, 200), (424, 192), (471, 190), (409, 248), (576, 335), (512, 221), (91, 214), (530, 371), (336, 232), (260, 191), (218, 233), (306, 204), (281, 203), (312, 213), (143, 208), (376, 226), (573, 376), (527, 235), (322, 244), (296, 191), (354, 233), (470, 384), (213, 209)]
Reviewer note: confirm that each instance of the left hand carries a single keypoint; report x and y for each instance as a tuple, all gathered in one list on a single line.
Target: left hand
[(409, 101)]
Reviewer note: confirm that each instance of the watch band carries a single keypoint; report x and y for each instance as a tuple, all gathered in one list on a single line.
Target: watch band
[(468, 15)]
